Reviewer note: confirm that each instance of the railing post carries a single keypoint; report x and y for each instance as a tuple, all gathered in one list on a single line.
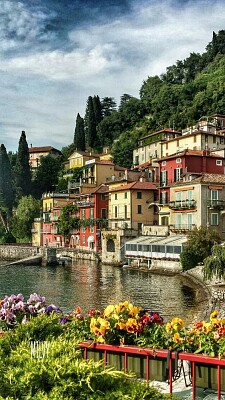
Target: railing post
[(218, 381), (193, 379)]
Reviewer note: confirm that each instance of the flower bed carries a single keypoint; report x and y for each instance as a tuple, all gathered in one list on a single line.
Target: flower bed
[(134, 339)]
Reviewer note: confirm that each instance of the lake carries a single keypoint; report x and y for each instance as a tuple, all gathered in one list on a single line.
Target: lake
[(90, 286)]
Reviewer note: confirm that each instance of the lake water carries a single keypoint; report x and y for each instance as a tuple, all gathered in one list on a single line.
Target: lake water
[(90, 286)]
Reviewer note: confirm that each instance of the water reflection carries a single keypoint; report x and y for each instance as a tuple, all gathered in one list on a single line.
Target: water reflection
[(91, 286)]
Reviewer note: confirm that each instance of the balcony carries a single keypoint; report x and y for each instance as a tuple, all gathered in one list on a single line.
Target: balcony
[(182, 204), (181, 228), (85, 203), (216, 204), (54, 218)]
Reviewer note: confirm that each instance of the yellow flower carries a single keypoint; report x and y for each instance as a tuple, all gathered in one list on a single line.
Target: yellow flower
[(168, 327), (177, 323), (177, 338), (133, 311), (207, 327), (131, 325), (101, 339), (120, 325), (214, 315), (109, 310)]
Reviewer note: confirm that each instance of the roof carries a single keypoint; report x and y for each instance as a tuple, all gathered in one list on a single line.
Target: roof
[(159, 240), (101, 189), (135, 186), (168, 130), (209, 178), (42, 149), (189, 152), (85, 153)]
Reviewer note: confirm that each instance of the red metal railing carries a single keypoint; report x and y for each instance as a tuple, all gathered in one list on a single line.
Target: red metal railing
[(194, 359)]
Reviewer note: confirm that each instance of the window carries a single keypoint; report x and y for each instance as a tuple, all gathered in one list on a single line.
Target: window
[(83, 229), (103, 213), (214, 194), (189, 221), (115, 196), (163, 163), (178, 160), (139, 211), (164, 178), (116, 212), (83, 239), (214, 219), (139, 195), (125, 195), (177, 174), (83, 214), (139, 227), (221, 140), (218, 162), (125, 211), (92, 213), (110, 246), (178, 221), (92, 228), (103, 196)]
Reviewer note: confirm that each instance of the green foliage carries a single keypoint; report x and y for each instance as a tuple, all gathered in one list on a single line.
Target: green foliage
[(79, 134), (59, 372), (198, 246), (46, 177), (28, 209), (21, 172), (6, 190), (68, 220), (214, 265)]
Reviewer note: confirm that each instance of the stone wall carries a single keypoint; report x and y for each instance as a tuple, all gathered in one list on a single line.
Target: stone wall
[(17, 252)]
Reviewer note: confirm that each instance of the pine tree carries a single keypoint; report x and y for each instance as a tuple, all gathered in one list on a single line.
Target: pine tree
[(79, 134), (22, 169), (5, 180)]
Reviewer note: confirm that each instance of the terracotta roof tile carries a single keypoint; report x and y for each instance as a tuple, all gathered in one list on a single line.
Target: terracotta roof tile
[(135, 186), (42, 149)]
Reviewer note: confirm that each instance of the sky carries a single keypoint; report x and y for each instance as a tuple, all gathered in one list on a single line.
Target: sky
[(56, 53)]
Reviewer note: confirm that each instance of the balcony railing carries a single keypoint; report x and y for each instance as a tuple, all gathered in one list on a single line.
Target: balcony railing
[(85, 203), (182, 204), (181, 227), (54, 218), (216, 204)]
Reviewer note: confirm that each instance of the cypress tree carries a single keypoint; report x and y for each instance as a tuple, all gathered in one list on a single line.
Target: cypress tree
[(79, 134), (22, 169), (5, 180), (97, 109), (90, 124)]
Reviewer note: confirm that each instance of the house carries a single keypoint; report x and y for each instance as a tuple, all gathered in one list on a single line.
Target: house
[(93, 216), (52, 204), (78, 158), (36, 153), (128, 205), (198, 201), (150, 146)]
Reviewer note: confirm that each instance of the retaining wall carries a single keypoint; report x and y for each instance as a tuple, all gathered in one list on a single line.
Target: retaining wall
[(17, 252)]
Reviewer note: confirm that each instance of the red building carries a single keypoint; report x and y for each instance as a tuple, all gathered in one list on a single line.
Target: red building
[(176, 167), (93, 214)]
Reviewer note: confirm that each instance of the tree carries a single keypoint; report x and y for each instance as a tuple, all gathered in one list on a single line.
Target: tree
[(79, 134), (90, 124), (97, 109), (6, 189), (214, 265), (198, 246), (124, 99), (47, 173), (22, 173), (28, 208), (108, 105), (67, 220)]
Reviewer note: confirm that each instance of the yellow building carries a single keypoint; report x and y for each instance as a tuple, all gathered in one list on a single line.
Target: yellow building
[(79, 158), (128, 205)]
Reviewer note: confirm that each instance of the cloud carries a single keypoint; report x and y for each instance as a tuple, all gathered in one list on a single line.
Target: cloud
[(47, 74)]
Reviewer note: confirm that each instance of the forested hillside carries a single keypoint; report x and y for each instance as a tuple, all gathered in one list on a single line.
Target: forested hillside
[(185, 92)]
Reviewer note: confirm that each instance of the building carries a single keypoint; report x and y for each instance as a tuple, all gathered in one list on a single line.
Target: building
[(36, 153), (128, 205), (93, 216)]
